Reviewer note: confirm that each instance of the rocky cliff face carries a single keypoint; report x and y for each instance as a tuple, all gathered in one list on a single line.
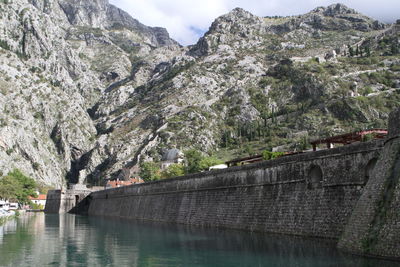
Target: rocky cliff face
[(57, 59), (87, 91)]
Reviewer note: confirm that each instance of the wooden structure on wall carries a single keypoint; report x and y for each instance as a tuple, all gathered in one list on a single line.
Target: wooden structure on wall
[(348, 138)]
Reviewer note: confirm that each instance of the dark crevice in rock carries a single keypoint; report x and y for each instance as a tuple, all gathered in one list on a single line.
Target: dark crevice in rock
[(117, 84), (92, 111), (56, 137), (79, 162), (102, 129), (95, 176), (109, 76)]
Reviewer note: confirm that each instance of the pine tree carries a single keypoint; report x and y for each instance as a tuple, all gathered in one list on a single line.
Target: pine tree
[(351, 51), (394, 49), (368, 51)]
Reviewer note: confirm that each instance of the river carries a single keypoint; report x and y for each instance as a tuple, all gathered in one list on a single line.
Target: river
[(69, 240)]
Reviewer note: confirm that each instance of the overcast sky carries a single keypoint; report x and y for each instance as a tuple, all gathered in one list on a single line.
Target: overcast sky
[(187, 20)]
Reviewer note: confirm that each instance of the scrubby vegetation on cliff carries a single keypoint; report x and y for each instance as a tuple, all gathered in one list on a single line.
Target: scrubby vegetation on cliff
[(86, 97)]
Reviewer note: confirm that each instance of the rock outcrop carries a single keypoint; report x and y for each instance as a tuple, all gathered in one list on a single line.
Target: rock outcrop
[(87, 91)]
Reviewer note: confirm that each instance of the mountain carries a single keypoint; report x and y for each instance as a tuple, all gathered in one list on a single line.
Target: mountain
[(87, 92)]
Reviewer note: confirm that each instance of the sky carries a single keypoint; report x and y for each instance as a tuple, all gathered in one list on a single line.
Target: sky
[(187, 20)]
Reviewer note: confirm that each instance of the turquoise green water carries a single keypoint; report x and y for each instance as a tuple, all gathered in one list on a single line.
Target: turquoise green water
[(69, 240)]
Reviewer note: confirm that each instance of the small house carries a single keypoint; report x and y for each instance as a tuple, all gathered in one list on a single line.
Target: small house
[(171, 156), (40, 200)]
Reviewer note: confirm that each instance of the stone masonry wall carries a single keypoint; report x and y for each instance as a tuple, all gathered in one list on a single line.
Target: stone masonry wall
[(310, 194), (59, 201), (53, 201), (374, 227)]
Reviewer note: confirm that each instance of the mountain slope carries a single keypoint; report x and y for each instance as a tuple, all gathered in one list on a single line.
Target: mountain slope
[(51, 74), (111, 92)]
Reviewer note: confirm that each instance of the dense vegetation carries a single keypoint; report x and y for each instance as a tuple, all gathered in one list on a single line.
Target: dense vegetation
[(17, 187), (195, 162)]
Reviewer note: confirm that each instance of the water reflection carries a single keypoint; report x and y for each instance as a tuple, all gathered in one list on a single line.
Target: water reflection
[(68, 240)]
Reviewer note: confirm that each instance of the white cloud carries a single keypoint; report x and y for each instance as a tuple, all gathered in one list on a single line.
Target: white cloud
[(185, 20)]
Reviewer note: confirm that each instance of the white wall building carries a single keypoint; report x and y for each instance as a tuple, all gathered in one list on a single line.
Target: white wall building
[(40, 200), (4, 205)]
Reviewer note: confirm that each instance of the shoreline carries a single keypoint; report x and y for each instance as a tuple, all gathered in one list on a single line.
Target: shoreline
[(6, 218)]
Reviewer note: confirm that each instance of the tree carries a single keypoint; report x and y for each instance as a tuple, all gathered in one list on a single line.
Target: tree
[(206, 162), (18, 187), (193, 158), (351, 51), (196, 162), (8, 188), (248, 149), (368, 51), (149, 171), (394, 49), (173, 170)]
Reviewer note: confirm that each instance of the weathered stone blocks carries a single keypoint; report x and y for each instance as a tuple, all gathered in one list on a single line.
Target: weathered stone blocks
[(278, 196), (374, 226)]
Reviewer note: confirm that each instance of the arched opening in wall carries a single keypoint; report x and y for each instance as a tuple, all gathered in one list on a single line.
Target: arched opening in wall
[(369, 168), (76, 199), (315, 176)]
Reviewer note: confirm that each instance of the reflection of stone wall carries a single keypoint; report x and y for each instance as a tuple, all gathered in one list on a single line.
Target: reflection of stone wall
[(374, 227), (285, 195), (59, 201)]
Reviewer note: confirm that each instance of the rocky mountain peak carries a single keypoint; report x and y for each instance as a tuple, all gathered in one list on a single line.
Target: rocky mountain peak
[(235, 25), (236, 17), (239, 12), (101, 14), (85, 13), (334, 10), (336, 17)]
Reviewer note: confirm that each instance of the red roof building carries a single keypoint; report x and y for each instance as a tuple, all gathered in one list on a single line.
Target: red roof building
[(40, 200), (120, 183), (40, 197)]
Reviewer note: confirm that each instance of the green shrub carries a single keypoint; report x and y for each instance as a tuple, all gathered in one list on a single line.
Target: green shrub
[(268, 155), (4, 45), (36, 206), (173, 170), (207, 162), (35, 166), (366, 91), (9, 151), (149, 171), (38, 115), (395, 67)]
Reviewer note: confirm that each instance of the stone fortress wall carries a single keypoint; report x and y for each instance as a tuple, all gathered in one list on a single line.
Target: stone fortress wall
[(63, 201), (349, 193), (374, 226), (310, 194)]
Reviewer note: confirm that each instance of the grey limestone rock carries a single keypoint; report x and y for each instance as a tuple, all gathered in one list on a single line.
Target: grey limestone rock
[(87, 91)]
